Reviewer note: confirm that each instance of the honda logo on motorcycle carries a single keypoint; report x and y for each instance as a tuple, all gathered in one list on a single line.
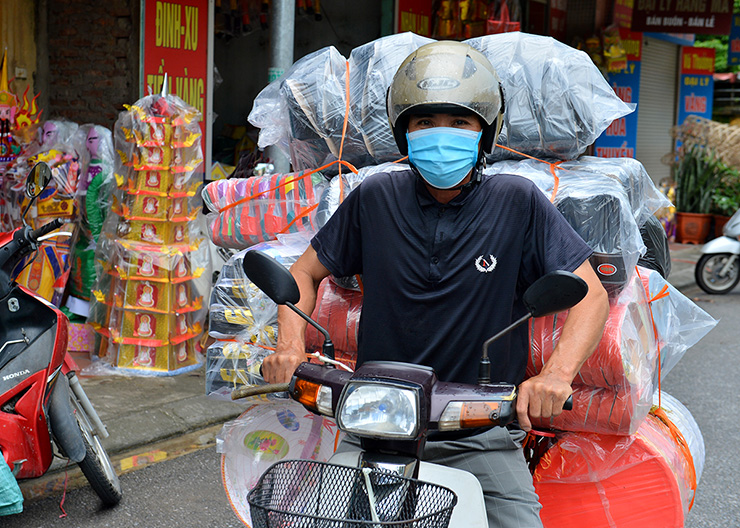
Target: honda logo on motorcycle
[(607, 269), (16, 374)]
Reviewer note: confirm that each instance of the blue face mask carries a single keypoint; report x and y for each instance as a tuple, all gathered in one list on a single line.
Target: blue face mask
[(443, 156)]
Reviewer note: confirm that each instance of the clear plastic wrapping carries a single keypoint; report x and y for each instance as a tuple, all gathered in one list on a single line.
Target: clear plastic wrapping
[(59, 147), (372, 67), (679, 322), (644, 197), (246, 211), (269, 430), (613, 390), (645, 479), (153, 262), (243, 320), (597, 207), (557, 101), (94, 189)]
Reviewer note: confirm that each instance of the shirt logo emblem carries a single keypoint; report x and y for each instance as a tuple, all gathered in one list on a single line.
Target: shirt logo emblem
[(486, 265)]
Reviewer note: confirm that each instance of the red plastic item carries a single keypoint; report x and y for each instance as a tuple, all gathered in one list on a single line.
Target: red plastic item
[(338, 310)]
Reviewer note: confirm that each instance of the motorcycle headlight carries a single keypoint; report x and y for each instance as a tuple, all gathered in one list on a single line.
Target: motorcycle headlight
[(380, 410)]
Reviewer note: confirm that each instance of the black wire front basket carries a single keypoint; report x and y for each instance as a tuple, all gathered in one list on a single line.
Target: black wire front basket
[(309, 494)]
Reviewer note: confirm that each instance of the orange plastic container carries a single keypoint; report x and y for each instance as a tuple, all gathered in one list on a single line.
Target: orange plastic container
[(640, 480)]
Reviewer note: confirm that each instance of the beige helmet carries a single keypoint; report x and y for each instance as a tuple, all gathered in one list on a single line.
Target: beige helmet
[(446, 77)]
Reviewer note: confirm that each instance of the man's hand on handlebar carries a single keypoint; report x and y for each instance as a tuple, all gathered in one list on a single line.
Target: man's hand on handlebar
[(279, 367), (541, 397)]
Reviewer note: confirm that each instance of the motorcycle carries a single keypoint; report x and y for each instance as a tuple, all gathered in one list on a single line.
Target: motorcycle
[(718, 269), (43, 408), (391, 407)]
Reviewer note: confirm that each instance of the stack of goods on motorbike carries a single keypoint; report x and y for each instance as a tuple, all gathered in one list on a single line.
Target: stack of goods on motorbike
[(329, 115), (147, 302)]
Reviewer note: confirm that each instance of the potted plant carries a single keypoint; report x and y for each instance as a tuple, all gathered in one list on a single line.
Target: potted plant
[(698, 173), (726, 200)]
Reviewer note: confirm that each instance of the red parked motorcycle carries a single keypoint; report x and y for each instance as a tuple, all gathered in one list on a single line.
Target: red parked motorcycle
[(43, 408)]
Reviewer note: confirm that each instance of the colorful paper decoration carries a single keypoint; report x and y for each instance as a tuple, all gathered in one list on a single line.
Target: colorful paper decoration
[(146, 304)]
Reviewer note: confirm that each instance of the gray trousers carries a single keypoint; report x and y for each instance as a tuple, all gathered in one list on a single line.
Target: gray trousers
[(495, 457)]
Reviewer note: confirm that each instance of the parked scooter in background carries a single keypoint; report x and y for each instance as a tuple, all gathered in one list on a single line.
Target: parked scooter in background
[(391, 407), (43, 409), (718, 269)]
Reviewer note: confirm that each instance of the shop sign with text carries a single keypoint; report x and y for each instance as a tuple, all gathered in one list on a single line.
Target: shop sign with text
[(733, 50), (709, 17), (620, 139), (697, 83), (175, 42)]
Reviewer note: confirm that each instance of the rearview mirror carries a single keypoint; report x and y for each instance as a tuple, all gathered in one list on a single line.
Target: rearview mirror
[(554, 292), (551, 293), (38, 179), (271, 277)]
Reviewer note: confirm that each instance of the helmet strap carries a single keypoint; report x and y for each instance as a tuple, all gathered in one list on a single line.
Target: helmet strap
[(475, 177)]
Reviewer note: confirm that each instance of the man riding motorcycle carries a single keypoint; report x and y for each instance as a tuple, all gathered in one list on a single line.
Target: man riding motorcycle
[(445, 253)]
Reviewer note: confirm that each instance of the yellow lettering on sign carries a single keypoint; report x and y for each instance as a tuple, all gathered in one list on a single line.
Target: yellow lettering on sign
[(691, 5), (721, 6), (168, 25), (702, 63), (191, 28)]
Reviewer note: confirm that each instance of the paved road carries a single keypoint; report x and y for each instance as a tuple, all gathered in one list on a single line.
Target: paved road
[(707, 381), (184, 492)]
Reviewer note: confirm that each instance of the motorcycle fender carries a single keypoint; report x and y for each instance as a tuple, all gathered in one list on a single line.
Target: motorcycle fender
[(722, 244), (63, 423), (470, 511)]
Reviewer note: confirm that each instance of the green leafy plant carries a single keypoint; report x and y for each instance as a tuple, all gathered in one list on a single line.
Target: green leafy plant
[(726, 196), (698, 174)]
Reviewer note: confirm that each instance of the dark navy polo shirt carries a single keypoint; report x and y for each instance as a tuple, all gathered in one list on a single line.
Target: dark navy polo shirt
[(440, 279)]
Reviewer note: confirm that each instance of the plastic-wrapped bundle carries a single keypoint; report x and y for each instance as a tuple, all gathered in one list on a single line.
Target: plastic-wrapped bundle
[(679, 322), (596, 207), (243, 319), (613, 390), (304, 113), (238, 309), (372, 67), (557, 101), (153, 265), (642, 194), (657, 254), (645, 479), (94, 190), (230, 365), (338, 310), (257, 209), (269, 430)]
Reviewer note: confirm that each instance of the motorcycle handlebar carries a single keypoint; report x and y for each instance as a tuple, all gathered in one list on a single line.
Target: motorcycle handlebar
[(46, 229), (245, 392)]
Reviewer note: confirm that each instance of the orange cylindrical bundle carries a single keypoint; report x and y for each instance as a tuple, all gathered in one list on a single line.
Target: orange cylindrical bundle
[(613, 389), (338, 310), (645, 479), (627, 353)]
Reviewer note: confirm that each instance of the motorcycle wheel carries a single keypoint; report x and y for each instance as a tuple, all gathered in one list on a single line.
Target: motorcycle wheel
[(97, 466), (707, 273)]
